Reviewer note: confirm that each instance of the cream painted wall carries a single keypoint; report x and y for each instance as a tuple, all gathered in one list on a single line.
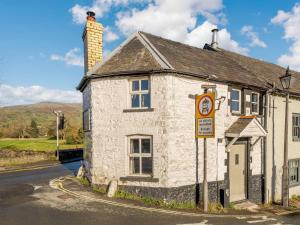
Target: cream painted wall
[(276, 121)]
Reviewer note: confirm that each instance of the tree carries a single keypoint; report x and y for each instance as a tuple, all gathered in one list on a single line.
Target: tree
[(33, 130)]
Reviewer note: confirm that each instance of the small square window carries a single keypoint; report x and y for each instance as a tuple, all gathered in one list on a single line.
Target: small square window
[(235, 101), (139, 94), (296, 127), (140, 156), (294, 171)]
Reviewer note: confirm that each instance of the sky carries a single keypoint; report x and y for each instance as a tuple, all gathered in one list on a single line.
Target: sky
[(41, 50)]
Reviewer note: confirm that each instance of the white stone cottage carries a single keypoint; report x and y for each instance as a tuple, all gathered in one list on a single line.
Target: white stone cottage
[(139, 123)]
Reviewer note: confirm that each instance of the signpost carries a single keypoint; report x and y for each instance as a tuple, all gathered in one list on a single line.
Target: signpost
[(205, 128), (205, 115)]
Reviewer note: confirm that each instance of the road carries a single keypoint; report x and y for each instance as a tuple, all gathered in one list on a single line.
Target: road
[(27, 199)]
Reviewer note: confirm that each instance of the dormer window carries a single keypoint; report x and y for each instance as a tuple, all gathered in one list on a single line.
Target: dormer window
[(235, 101), (139, 93)]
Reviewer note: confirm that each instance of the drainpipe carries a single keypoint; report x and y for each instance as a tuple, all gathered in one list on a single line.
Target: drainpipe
[(266, 195)]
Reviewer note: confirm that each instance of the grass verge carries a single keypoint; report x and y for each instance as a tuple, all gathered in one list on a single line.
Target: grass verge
[(34, 144)]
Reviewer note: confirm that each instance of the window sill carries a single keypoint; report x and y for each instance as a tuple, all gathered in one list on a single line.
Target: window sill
[(138, 110), (140, 179), (294, 185)]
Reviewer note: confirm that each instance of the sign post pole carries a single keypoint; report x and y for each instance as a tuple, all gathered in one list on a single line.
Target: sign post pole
[(205, 128), (205, 185)]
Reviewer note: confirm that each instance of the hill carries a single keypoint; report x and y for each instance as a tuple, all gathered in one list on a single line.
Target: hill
[(15, 119)]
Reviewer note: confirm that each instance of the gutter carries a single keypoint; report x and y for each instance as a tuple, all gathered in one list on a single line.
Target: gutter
[(86, 79)]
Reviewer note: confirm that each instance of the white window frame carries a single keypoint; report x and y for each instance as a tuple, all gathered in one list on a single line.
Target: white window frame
[(254, 113), (240, 99), (88, 111), (294, 172), (139, 92), (140, 155), (296, 128)]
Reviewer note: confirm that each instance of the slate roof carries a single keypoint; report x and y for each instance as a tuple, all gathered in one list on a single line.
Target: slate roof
[(147, 53), (238, 126)]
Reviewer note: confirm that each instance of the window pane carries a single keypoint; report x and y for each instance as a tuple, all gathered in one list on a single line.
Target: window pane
[(144, 85), (135, 101), (135, 85), (237, 159), (254, 108), (235, 106), (135, 165), (146, 165), (145, 100), (254, 97), (146, 146), (235, 95), (134, 146)]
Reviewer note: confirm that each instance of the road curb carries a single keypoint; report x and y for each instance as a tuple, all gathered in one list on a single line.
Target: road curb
[(57, 183)]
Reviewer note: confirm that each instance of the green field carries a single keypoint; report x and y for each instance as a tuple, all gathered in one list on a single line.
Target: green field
[(36, 144)]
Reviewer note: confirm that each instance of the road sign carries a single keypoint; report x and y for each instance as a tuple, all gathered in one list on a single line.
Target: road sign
[(205, 115)]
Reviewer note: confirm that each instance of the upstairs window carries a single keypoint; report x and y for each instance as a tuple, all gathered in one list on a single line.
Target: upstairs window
[(254, 103), (294, 170), (235, 101), (139, 93), (86, 120), (296, 127), (140, 155)]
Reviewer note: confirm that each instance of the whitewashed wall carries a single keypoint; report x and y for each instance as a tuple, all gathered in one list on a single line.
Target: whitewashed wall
[(111, 126), (172, 125)]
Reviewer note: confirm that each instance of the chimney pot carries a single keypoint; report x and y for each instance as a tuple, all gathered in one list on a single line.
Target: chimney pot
[(90, 15), (214, 42)]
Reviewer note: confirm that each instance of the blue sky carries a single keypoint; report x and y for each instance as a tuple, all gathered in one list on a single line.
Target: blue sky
[(41, 46)]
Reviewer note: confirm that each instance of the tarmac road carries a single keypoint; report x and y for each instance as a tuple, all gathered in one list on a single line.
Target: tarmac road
[(27, 199)]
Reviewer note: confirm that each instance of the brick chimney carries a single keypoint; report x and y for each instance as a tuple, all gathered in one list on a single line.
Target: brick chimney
[(92, 40)]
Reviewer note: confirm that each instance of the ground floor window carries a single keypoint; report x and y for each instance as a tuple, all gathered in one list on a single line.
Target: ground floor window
[(294, 171), (140, 155)]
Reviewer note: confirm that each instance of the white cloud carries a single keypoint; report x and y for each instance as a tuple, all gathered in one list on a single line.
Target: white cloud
[(290, 21), (109, 35), (17, 95), (177, 20), (99, 7), (253, 36), (72, 57), (202, 34), (172, 19)]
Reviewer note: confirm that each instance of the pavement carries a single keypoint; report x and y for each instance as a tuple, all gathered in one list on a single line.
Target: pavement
[(41, 196)]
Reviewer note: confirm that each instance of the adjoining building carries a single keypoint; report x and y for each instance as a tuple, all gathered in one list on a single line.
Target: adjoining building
[(139, 120)]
